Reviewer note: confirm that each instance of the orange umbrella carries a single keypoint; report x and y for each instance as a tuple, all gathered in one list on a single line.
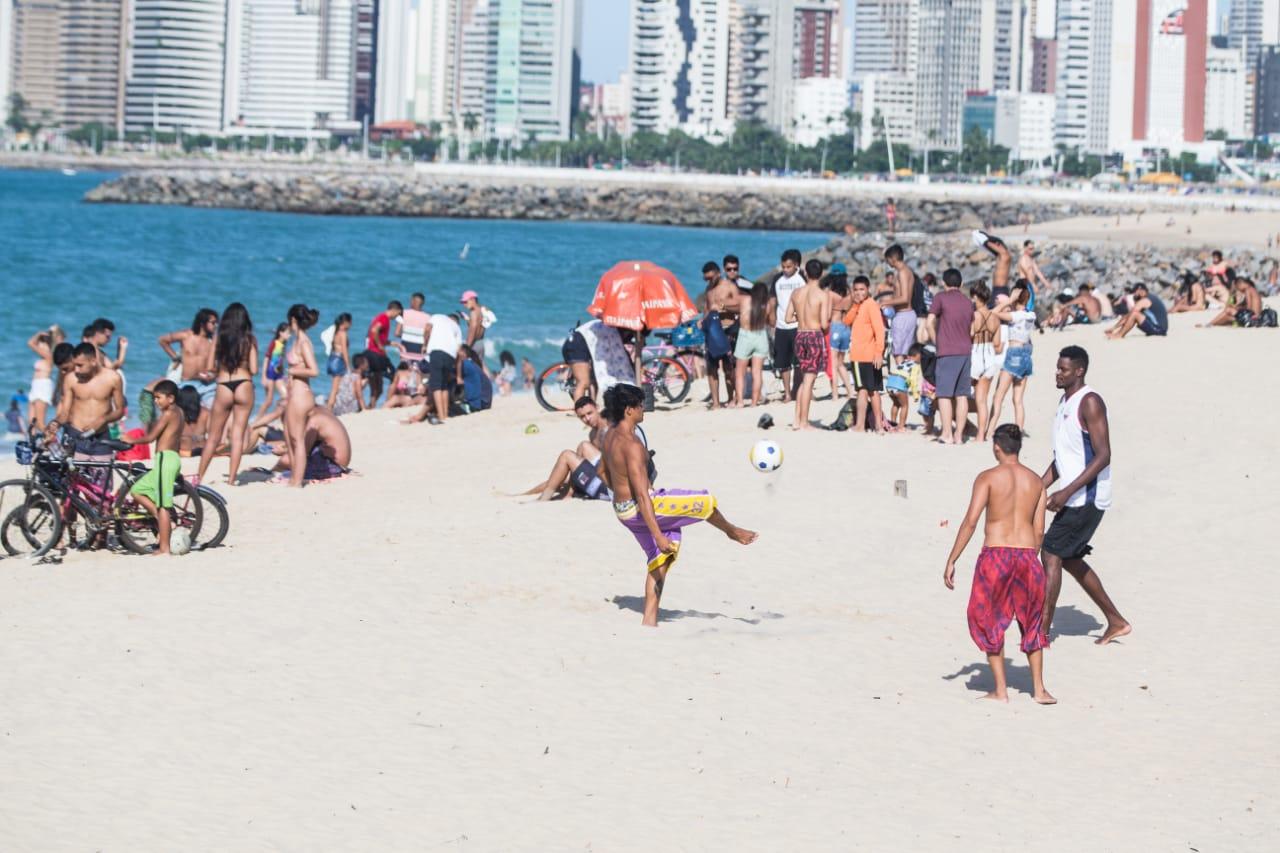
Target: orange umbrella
[(640, 295)]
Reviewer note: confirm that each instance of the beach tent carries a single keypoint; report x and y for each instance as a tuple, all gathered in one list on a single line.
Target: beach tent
[(640, 295)]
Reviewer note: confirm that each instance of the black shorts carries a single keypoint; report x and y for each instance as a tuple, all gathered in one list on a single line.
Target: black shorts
[(867, 377), (1069, 534), (442, 371), (410, 348), (379, 364), (575, 349), (724, 362), (784, 349)]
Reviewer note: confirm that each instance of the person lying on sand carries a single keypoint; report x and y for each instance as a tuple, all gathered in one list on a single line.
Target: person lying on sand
[(1009, 580), (655, 518)]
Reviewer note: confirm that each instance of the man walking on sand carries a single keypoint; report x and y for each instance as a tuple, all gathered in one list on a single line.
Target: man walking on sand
[(655, 518), (951, 326), (1081, 459), (810, 310), (1008, 582)]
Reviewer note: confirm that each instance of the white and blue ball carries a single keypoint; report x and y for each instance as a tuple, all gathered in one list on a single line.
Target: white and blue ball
[(766, 456)]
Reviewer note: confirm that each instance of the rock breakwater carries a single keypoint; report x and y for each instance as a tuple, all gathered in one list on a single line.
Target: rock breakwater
[(818, 206)]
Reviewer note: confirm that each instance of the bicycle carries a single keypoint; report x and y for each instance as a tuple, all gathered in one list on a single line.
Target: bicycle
[(58, 491), (663, 366)]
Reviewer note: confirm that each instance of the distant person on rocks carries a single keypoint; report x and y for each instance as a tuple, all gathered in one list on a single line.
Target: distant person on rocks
[(1004, 263), (1147, 314), (655, 518), (810, 309), (891, 217), (377, 339), (1028, 269), (1081, 308), (952, 316), (1082, 461), (1009, 580), (784, 334), (902, 328), (193, 364)]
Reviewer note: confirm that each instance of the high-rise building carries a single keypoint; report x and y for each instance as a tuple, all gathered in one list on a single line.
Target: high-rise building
[(774, 44), (35, 57), (1225, 90), (818, 107), (1024, 124), (815, 50), (680, 66), (1005, 52), (1044, 65), (1266, 113), (472, 68), (6, 50), (364, 95), (886, 34), (292, 63), (1095, 69), (1169, 79), (66, 58), (393, 68), (177, 68), (947, 64), (533, 68), (888, 108), (1253, 23), (436, 52)]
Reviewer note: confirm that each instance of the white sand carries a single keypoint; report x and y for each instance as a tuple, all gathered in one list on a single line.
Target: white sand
[(1209, 229), (408, 661)]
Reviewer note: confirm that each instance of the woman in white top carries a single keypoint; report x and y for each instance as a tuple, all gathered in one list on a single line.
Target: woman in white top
[(1016, 369), (42, 344), (985, 357)]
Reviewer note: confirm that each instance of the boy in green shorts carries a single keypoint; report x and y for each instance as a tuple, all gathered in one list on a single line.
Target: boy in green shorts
[(154, 490)]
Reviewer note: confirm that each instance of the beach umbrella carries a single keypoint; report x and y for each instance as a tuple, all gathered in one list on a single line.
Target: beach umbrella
[(640, 295)]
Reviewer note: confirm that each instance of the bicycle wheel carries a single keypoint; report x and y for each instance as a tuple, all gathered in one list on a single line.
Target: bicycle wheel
[(669, 378), (136, 526), (32, 523), (215, 510), (556, 388)]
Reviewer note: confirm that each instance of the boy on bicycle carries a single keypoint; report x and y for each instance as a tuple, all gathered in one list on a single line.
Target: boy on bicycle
[(154, 490)]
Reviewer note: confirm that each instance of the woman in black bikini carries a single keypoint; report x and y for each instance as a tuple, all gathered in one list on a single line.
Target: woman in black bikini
[(235, 357)]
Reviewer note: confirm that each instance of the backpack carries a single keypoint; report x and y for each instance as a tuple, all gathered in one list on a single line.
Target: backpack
[(1266, 319)]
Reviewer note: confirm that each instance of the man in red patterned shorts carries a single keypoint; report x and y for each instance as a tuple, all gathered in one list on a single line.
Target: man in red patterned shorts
[(1008, 582)]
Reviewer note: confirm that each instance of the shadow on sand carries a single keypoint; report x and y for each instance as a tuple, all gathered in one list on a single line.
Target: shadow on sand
[(1070, 622), (635, 604), (980, 680)]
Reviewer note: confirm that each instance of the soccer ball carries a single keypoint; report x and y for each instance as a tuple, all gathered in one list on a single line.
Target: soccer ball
[(180, 541), (766, 456)]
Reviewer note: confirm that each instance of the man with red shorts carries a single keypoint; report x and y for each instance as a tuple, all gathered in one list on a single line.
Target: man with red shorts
[(1008, 582)]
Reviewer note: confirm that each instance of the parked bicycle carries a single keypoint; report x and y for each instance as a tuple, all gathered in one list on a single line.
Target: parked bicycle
[(61, 494), (668, 367)]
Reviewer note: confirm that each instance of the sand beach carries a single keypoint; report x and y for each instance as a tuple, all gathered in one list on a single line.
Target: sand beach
[(409, 660)]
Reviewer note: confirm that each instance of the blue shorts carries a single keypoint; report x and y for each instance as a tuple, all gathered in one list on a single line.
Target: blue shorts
[(1017, 362), (841, 336)]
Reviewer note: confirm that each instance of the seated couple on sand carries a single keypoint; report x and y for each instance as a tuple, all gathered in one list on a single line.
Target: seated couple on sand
[(579, 472)]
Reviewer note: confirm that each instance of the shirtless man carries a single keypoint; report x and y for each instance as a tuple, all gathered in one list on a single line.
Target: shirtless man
[(194, 365), (1247, 305), (1004, 262), (902, 328), (655, 518), (722, 297), (475, 317), (1147, 314), (92, 400), (1009, 581), (810, 309), (1028, 268), (587, 452), (328, 446), (1083, 308)]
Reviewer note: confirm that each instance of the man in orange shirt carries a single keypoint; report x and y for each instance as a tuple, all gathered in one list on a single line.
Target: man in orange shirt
[(866, 351)]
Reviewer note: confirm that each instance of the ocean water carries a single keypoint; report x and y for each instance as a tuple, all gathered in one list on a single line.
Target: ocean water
[(149, 269)]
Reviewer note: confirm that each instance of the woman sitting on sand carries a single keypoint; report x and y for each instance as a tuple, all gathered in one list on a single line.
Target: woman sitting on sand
[(406, 388), (1191, 296)]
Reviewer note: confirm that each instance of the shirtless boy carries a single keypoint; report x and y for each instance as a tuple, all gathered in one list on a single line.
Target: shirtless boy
[(810, 309), (154, 490), (1028, 269), (92, 400), (655, 518), (194, 365), (1009, 581)]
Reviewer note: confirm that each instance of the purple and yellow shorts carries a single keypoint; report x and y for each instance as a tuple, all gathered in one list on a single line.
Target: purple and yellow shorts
[(675, 509)]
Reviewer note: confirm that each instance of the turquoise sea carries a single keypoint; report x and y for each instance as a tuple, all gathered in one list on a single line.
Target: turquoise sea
[(149, 269)]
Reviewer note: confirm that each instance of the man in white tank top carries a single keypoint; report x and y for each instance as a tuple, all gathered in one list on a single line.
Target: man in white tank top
[(1082, 461)]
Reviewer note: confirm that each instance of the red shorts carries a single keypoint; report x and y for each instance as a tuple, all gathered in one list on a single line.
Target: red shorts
[(812, 352), (1008, 584)]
